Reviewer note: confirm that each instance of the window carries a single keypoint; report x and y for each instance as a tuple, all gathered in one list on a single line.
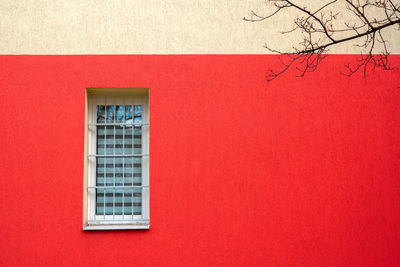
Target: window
[(116, 179)]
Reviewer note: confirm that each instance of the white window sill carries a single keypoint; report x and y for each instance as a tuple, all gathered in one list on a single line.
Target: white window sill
[(116, 226)]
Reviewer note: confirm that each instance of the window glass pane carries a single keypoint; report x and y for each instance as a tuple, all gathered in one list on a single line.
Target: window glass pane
[(101, 140), (137, 138), (138, 114), (110, 114), (100, 170), (101, 114), (128, 113), (137, 171), (110, 140), (120, 114), (128, 141), (119, 140)]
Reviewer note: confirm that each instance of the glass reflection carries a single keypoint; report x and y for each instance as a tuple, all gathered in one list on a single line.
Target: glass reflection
[(101, 114), (128, 114), (110, 114), (138, 114), (120, 113)]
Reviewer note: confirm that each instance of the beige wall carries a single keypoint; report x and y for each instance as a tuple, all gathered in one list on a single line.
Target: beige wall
[(142, 27)]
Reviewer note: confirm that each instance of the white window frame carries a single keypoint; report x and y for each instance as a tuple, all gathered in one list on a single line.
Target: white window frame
[(114, 96)]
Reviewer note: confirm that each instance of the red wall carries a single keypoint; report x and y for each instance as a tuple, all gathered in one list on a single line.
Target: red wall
[(297, 172)]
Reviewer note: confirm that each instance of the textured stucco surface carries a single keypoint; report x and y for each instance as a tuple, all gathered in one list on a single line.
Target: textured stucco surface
[(144, 27), (296, 172)]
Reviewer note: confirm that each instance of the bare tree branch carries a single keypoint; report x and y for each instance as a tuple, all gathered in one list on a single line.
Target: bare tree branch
[(322, 29)]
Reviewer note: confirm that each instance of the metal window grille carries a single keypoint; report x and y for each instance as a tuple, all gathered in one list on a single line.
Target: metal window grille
[(118, 187)]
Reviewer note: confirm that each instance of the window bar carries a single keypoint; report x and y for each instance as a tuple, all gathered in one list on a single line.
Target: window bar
[(123, 168), (141, 174), (115, 110), (119, 124), (105, 159), (119, 155), (96, 150), (133, 152), (117, 186), (92, 118)]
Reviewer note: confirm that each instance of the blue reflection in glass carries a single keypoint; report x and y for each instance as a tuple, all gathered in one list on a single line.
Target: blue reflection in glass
[(110, 114), (120, 113), (138, 114), (100, 114), (128, 114)]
